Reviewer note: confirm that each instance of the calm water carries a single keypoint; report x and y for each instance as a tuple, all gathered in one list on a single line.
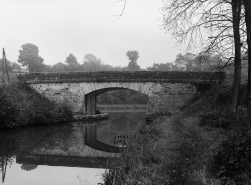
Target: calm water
[(60, 154)]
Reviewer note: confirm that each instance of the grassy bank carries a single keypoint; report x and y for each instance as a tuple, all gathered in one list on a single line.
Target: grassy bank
[(20, 106), (204, 144)]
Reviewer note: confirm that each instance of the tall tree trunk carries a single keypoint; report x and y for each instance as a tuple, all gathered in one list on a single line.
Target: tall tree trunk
[(247, 7), (236, 11)]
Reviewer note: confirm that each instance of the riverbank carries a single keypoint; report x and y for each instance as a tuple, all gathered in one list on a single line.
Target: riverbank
[(194, 146), (21, 106)]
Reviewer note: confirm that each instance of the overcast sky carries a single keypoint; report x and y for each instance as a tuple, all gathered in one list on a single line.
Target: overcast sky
[(79, 27)]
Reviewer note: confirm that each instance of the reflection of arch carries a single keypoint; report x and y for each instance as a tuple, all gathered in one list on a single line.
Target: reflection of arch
[(92, 90), (91, 140)]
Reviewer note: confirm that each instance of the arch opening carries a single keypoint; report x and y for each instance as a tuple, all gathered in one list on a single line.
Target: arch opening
[(114, 96)]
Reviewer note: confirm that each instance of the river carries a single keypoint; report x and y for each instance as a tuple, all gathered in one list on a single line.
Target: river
[(65, 153)]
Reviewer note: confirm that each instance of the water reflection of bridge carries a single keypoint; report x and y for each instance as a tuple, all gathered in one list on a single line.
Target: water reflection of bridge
[(90, 153), (47, 150), (67, 161)]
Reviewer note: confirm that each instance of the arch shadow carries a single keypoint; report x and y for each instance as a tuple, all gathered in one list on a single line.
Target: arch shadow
[(91, 98)]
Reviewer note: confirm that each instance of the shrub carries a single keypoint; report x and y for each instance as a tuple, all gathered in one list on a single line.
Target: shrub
[(43, 111), (8, 111), (232, 162), (223, 98), (21, 105), (37, 109), (202, 87)]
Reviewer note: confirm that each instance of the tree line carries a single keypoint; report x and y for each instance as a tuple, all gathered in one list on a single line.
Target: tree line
[(29, 58), (189, 62)]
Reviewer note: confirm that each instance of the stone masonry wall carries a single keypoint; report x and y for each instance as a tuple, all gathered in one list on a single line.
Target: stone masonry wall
[(163, 98), (69, 93), (169, 98)]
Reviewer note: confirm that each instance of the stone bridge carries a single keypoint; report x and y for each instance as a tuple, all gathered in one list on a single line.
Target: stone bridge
[(167, 91)]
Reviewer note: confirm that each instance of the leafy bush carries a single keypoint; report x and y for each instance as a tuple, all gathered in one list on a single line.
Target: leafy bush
[(232, 162), (223, 98), (8, 111), (43, 111), (223, 119), (22, 105), (202, 87)]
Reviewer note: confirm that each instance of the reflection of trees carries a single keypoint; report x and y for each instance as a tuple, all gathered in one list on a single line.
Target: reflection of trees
[(28, 139), (7, 151), (28, 167), (44, 137), (4, 162)]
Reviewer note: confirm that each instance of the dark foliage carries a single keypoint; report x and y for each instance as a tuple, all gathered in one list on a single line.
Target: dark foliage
[(220, 116), (233, 160), (21, 105), (202, 87), (224, 98), (8, 111)]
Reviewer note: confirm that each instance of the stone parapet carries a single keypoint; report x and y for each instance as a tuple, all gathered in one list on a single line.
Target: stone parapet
[(123, 76)]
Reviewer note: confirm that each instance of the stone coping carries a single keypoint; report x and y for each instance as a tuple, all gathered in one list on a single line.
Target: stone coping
[(123, 76)]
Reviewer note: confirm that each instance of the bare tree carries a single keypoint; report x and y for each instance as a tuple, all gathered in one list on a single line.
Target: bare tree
[(212, 24), (124, 6), (247, 7), (236, 13)]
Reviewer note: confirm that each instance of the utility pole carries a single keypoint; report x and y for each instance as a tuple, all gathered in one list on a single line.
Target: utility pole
[(5, 68)]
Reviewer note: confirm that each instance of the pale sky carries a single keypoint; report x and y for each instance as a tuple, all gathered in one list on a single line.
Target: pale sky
[(79, 27)]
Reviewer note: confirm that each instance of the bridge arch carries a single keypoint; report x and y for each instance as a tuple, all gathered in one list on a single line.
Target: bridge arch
[(145, 88), (96, 89)]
